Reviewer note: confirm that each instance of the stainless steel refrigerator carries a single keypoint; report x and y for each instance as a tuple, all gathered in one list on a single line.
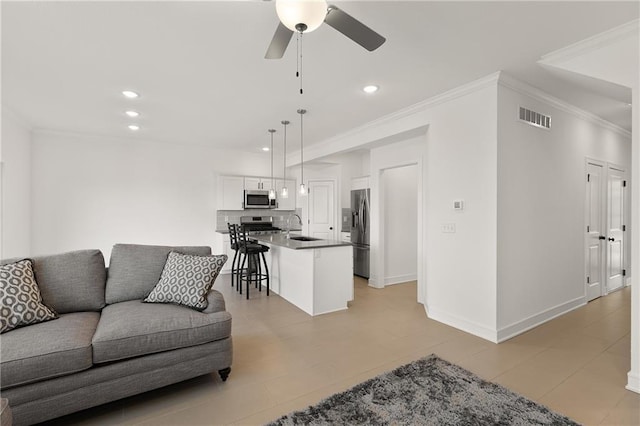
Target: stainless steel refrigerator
[(360, 231)]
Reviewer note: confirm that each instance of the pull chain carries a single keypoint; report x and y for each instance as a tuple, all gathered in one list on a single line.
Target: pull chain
[(297, 55), (300, 38)]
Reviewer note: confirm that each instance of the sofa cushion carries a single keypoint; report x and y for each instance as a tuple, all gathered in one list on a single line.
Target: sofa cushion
[(186, 280), (20, 298), (135, 269), (46, 350), (73, 281), (132, 328)]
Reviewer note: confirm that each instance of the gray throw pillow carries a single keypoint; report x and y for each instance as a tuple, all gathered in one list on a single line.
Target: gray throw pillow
[(20, 298), (186, 279)]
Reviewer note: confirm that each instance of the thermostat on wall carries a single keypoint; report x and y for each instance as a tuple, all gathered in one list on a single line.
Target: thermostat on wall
[(458, 204)]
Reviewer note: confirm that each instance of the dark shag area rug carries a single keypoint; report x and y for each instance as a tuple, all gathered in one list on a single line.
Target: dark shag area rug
[(430, 391)]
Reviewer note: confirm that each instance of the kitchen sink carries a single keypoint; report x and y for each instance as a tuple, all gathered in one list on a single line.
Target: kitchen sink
[(303, 238)]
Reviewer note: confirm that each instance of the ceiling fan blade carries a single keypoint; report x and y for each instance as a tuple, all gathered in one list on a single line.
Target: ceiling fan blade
[(279, 43), (354, 29)]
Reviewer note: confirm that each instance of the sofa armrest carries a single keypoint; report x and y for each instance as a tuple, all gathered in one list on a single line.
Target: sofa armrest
[(215, 302)]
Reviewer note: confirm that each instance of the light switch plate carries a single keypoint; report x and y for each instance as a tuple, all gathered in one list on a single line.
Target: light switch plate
[(449, 228)]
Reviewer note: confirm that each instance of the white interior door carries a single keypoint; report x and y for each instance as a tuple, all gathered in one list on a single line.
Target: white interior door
[(322, 209), (595, 256), (615, 229)]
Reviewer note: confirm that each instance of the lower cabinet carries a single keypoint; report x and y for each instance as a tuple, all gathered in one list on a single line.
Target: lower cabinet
[(223, 246)]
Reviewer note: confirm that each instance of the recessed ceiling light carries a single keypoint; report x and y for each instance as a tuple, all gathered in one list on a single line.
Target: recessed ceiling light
[(134, 127), (132, 113), (265, 149), (130, 94), (370, 89)]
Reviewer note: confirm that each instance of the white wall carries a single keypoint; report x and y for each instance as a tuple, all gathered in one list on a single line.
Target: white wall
[(15, 205), (541, 199), (93, 192), (400, 186), (461, 163)]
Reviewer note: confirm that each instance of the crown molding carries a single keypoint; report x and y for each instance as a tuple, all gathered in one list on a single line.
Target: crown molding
[(630, 29), (528, 90), (343, 141)]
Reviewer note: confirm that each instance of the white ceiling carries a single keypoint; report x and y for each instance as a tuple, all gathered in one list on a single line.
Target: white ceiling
[(200, 70)]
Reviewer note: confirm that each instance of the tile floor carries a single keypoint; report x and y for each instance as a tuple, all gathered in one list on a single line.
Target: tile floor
[(285, 360)]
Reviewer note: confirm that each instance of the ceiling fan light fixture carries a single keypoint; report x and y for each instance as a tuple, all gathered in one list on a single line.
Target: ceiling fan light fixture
[(310, 13)]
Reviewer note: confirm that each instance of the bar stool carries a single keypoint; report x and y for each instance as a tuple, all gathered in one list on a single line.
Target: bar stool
[(254, 253), (233, 240)]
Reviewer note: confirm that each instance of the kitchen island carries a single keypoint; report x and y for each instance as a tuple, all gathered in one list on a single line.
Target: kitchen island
[(316, 276)]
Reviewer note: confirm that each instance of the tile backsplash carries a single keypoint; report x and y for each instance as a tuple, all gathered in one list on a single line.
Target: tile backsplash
[(233, 216)]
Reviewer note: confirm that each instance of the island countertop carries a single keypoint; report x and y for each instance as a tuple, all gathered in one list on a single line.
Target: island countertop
[(281, 240)]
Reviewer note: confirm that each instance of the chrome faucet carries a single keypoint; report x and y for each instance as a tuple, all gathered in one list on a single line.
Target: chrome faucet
[(289, 222)]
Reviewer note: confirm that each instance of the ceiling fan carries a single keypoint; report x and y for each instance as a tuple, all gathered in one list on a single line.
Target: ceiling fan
[(304, 16)]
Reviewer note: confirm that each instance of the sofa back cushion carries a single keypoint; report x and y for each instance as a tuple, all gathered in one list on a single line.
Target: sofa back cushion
[(135, 269), (73, 281)]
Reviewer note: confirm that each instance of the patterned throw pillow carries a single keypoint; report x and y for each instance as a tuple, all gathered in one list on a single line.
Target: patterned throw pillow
[(20, 298), (186, 279)]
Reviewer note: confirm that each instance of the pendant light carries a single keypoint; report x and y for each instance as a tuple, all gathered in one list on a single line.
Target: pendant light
[(285, 191), (272, 190), (303, 189)]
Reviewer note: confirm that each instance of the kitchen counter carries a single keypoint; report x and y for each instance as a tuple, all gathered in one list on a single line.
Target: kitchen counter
[(226, 231), (315, 276), (281, 240)]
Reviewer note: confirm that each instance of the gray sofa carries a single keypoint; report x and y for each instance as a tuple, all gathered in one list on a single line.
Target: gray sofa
[(107, 344)]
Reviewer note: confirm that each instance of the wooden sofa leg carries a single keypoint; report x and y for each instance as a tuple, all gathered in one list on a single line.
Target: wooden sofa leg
[(224, 373)]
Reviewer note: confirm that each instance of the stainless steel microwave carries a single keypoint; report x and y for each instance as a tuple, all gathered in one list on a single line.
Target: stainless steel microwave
[(256, 199)]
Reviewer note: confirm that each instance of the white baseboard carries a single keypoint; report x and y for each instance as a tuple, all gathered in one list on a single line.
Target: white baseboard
[(398, 279), (627, 281), (633, 382), (463, 324), (526, 324)]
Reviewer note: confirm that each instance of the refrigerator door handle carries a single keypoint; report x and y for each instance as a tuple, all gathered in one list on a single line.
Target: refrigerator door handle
[(365, 209)]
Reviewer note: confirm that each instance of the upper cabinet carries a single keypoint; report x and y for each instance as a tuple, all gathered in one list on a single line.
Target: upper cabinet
[(255, 183), (360, 182), (288, 203), (230, 192)]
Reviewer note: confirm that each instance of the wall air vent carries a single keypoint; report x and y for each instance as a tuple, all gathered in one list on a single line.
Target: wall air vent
[(535, 118)]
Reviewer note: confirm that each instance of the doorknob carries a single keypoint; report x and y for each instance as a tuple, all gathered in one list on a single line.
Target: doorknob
[(602, 237), (611, 239), (331, 228)]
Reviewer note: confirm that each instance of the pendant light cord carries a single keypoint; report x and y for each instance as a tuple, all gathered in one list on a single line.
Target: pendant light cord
[(301, 145), (272, 131)]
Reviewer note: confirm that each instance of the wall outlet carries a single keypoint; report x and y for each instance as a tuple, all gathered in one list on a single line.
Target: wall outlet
[(449, 228), (458, 204)]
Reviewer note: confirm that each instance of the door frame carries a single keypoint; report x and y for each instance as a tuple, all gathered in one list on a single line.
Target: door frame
[(606, 166), (377, 201)]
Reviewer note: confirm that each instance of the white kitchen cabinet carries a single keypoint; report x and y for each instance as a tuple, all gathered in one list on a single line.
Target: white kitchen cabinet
[(222, 245), (230, 192), (361, 182), (290, 202), (257, 183)]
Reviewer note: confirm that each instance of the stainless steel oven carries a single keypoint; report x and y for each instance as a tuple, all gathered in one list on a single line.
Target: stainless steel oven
[(256, 199)]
